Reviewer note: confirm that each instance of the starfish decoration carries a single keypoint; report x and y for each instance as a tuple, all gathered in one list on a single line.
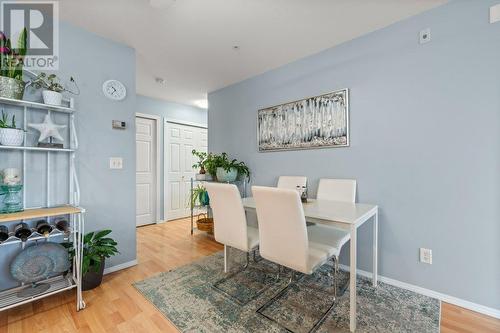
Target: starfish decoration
[(48, 129)]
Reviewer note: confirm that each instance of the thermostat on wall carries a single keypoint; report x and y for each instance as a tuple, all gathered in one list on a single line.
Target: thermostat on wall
[(118, 124)]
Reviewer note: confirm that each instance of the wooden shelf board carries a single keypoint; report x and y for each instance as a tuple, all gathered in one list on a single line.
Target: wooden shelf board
[(39, 212)]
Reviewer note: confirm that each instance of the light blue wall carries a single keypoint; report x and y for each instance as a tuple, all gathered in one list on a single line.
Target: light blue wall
[(107, 195), (171, 111), (425, 142)]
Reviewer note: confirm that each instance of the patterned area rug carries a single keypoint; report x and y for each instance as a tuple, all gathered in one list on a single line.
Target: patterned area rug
[(188, 299)]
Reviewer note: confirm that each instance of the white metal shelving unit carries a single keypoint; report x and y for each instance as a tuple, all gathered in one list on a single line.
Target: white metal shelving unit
[(72, 280)]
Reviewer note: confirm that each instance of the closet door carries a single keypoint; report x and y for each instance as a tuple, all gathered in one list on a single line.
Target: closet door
[(180, 140)]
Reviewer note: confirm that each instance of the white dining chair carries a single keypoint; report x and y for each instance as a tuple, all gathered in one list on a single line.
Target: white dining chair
[(291, 182), (230, 223), (231, 229), (286, 241), (337, 190)]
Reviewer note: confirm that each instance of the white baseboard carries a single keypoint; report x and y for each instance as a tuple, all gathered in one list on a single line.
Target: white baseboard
[(431, 293), (120, 266)]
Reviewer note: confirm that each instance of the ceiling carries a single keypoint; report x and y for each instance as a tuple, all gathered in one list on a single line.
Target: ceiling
[(190, 43)]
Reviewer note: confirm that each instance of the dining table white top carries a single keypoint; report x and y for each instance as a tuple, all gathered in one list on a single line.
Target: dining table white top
[(327, 210)]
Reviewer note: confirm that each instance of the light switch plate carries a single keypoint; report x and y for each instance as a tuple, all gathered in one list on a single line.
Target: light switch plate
[(495, 13), (116, 163), (426, 256)]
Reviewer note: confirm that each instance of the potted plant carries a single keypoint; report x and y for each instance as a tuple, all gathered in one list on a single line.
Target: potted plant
[(199, 195), (11, 66), (226, 170), (202, 157), (96, 248), (52, 88), (10, 135)]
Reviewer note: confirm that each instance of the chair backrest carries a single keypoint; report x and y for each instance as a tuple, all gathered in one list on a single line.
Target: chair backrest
[(282, 226), (337, 190), (291, 182), (230, 224)]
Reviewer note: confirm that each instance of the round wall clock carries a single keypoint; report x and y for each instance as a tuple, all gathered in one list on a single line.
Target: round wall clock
[(114, 89)]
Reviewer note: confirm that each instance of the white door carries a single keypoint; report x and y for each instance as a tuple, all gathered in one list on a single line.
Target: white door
[(180, 140), (145, 171)]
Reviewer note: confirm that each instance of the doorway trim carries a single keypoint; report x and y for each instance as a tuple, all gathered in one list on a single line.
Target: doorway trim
[(157, 120), (166, 157)]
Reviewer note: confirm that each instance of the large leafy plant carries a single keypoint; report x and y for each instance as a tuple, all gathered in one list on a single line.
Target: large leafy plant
[(214, 161), (96, 247), (12, 60)]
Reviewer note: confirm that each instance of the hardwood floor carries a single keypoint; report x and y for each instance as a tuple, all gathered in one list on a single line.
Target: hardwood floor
[(116, 307)]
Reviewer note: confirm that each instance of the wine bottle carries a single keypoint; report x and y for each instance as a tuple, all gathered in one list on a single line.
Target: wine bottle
[(4, 233), (22, 231), (43, 228), (62, 225)]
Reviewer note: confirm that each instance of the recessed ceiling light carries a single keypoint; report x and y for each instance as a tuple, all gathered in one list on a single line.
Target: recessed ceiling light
[(201, 103), (160, 80)]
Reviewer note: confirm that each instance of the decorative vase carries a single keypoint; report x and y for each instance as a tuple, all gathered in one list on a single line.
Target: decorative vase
[(11, 88), (203, 198), (93, 279), (224, 176), (52, 97), (12, 201), (11, 136)]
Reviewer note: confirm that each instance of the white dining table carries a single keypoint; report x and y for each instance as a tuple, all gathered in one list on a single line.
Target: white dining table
[(347, 216)]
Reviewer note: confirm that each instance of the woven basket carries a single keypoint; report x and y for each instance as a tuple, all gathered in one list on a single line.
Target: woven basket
[(205, 223)]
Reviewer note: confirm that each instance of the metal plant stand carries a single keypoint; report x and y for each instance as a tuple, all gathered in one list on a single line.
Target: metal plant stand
[(241, 184)]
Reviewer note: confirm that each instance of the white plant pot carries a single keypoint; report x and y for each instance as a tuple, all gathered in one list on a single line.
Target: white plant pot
[(11, 137), (200, 176), (52, 97)]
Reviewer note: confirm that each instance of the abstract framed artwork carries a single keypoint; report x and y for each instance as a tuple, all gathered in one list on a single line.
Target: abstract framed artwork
[(314, 122)]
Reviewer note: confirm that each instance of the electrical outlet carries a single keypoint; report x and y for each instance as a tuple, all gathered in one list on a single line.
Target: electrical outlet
[(116, 163), (425, 36), (426, 256)]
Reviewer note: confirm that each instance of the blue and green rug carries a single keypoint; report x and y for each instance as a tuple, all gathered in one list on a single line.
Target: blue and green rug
[(186, 297)]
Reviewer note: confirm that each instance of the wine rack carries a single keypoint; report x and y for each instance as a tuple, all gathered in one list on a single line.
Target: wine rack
[(73, 279)]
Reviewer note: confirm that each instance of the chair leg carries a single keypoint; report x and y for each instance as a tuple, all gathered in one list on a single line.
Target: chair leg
[(335, 276), (230, 276), (226, 258), (255, 255), (289, 284)]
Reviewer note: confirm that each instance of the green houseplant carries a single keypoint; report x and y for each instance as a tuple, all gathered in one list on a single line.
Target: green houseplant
[(52, 88), (11, 66), (199, 195), (224, 169), (96, 248), (10, 135), (202, 158)]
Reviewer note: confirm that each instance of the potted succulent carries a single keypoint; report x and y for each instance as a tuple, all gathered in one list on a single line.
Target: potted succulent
[(52, 88), (96, 248), (202, 157), (10, 135), (11, 66), (225, 170)]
